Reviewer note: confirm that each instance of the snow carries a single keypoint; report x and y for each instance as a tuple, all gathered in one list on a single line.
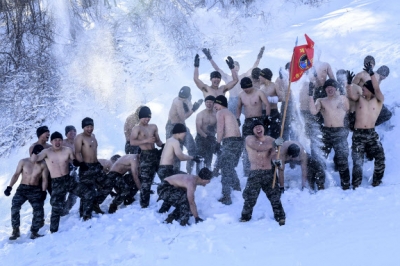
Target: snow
[(330, 227)]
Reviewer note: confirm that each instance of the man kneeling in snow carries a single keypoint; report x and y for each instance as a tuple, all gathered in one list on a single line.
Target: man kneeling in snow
[(178, 191)]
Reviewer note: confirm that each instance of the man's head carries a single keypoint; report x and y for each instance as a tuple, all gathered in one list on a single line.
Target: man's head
[(266, 73), (368, 88), (205, 174), (258, 128), (87, 125), (184, 92), (383, 72), (56, 140), (341, 76), (255, 73), (369, 59), (220, 102), (114, 158), (70, 132), (293, 150), (246, 84), (330, 86), (215, 78), (43, 132), (145, 115), (179, 130), (209, 102)]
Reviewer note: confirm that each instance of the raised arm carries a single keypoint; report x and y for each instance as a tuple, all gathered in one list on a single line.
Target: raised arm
[(378, 93), (256, 63), (314, 107), (235, 78), (200, 84), (330, 72)]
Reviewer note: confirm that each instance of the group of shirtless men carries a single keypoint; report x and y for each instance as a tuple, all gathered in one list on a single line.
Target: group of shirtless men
[(328, 106)]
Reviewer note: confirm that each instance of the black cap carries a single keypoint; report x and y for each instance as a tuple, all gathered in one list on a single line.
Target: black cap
[(246, 83), (144, 112), (184, 92), (37, 148), (256, 123), (87, 121), (266, 73), (330, 82), (293, 150), (68, 129), (205, 174), (215, 74), (179, 128), (41, 130), (221, 99), (255, 73), (56, 135), (209, 98)]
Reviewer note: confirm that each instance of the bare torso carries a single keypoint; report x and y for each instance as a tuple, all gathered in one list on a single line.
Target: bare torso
[(252, 103), (334, 110), (57, 161), (323, 71), (206, 121), (32, 172), (261, 151), (146, 133), (87, 147), (367, 112), (177, 113), (270, 89)]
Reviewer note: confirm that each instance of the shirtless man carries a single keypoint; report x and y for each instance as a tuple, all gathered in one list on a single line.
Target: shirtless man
[(126, 175), (274, 95), (70, 133), (172, 151), (255, 77), (365, 139), (29, 189), (145, 136), (292, 152), (90, 171), (131, 121), (253, 101), (214, 89), (229, 146), (206, 122), (107, 163), (181, 109), (178, 191), (43, 134), (261, 150), (57, 158), (234, 92), (334, 109)]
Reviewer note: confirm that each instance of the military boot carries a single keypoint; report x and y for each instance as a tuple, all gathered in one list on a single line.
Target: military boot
[(35, 235), (15, 233), (96, 208), (113, 208)]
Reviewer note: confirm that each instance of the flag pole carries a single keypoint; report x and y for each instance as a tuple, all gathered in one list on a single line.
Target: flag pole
[(284, 115)]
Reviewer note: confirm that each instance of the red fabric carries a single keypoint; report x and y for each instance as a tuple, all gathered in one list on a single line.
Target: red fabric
[(302, 59)]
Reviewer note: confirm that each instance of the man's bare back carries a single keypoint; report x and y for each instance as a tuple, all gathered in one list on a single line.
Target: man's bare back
[(177, 113), (128, 162), (319, 72), (171, 150), (226, 125)]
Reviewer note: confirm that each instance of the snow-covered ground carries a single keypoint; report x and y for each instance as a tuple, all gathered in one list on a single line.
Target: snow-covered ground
[(331, 227)]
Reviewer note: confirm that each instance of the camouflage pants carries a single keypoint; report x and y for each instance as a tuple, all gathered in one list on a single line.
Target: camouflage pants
[(275, 121), (315, 173), (231, 149), (247, 130), (148, 164), (366, 141), (291, 113), (205, 148), (175, 197), (336, 138), (32, 194), (163, 172), (86, 188), (61, 186), (131, 149), (71, 198), (261, 179), (124, 186), (104, 186)]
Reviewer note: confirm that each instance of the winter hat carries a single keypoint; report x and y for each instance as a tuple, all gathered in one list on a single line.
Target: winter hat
[(205, 174), (209, 98), (293, 150), (221, 99), (37, 148), (68, 129), (144, 112), (330, 82), (255, 73), (246, 83), (179, 128), (87, 121), (41, 130), (184, 92), (369, 86), (56, 135), (215, 74), (255, 123), (266, 73)]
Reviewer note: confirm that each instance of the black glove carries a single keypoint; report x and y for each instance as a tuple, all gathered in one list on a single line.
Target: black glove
[(82, 165), (311, 88), (238, 121), (37, 149), (278, 141), (368, 68), (196, 61), (260, 54), (196, 105), (350, 76), (185, 107), (197, 158), (282, 190), (277, 163), (198, 220), (207, 53), (230, 62), (280, 73), (7, 192), (217, 148), (43, 195)]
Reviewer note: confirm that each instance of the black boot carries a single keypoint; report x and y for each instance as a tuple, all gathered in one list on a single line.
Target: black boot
[(35, 235), (226, 200), (96, 208), (15, 233), (113, 208), (164, 208)]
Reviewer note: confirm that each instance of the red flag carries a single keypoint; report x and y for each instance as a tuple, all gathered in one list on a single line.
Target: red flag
[(302, 59)]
